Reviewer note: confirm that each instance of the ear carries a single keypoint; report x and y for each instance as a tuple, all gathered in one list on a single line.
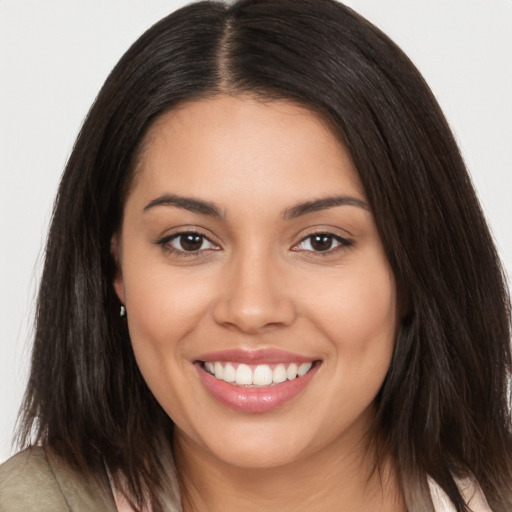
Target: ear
[(115, 250)]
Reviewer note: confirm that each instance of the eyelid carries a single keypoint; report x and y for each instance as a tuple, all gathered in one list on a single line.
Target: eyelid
[(165, 241), (344, 242), (183, 230)]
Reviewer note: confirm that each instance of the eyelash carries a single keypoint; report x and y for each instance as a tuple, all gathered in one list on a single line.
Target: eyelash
[(167, 241), (342, 243)]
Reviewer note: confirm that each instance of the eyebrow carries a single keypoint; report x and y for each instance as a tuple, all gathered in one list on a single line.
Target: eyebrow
[(323, 204), (187, 203), (208, 208)]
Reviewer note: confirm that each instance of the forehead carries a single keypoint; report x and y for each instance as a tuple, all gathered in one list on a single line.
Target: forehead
[(238, 145)]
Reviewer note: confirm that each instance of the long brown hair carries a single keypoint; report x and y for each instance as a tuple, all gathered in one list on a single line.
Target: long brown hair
[(443, 410)]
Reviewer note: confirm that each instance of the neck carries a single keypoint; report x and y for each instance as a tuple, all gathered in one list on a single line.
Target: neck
[(341, 480)]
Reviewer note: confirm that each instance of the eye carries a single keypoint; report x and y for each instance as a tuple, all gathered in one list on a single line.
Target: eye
[(322, 242), (187, 243)]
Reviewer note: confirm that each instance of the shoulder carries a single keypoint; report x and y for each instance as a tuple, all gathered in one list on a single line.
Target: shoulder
[(27, 483), (33, 481)]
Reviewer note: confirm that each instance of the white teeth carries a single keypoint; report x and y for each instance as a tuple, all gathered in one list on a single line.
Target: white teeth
[(303, 369), (262, 375), (258, 375), (229, 373), (291, 372), (279, 374), (219, 371), (243, 375)]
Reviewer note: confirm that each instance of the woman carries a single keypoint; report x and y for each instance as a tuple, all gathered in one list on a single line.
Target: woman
[(268, 283)]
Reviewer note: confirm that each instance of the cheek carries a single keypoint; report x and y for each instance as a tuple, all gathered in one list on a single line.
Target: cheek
[(164, 308), (162, 302), (358, 316), (361, 305), (369, 309)]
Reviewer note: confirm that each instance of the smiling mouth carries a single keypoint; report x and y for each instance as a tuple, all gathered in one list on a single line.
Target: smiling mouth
[(257, 381), (258, 376)]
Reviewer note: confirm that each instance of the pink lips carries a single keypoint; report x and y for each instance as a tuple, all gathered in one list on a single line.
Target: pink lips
[(254, 399)]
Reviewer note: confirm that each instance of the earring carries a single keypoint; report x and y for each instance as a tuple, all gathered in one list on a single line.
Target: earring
[(122, 311)]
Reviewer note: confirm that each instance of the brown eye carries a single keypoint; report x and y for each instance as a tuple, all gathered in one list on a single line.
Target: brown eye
[(187, 243), (190, 241), (322, 242)]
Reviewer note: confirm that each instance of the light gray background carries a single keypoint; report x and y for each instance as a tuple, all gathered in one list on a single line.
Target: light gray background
[(55, 54)]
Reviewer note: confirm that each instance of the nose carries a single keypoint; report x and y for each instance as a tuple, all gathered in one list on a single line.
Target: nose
[(254, 297)]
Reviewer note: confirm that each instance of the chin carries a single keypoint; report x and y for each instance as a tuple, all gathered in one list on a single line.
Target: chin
[(256, 445), (256, 457)]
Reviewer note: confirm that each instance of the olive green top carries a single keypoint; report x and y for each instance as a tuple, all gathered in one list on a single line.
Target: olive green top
[(33, 481)]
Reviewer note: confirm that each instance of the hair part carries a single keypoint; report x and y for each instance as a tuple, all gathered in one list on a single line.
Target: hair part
[(443, 410)]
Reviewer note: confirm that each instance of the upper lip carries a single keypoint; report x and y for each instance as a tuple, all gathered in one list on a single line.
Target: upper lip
[(261, 356)]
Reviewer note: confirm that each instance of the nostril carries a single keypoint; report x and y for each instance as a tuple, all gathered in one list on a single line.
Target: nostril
[(254, 315)]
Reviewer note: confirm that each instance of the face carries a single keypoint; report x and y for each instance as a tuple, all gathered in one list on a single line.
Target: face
[(261, 306)]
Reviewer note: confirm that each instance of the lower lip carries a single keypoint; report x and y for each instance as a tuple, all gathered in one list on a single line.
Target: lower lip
[(253, 399)]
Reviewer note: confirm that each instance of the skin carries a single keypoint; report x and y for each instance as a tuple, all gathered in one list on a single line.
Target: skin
[(256, 282)]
